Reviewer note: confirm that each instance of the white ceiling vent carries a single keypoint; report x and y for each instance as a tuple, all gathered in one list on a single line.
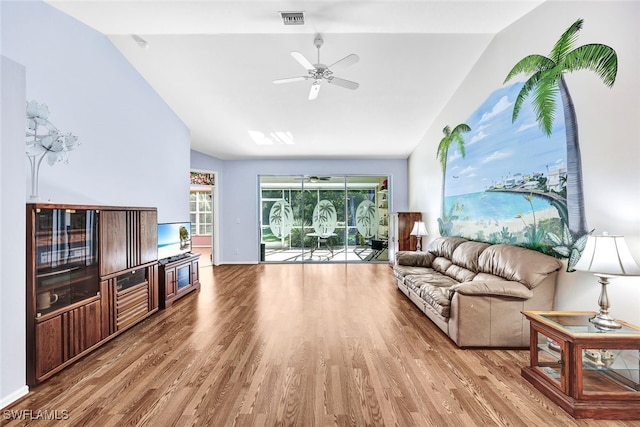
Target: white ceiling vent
[(292, 18)]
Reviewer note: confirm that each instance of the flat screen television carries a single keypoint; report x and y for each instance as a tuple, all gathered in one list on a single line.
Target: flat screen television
[(174, 239)]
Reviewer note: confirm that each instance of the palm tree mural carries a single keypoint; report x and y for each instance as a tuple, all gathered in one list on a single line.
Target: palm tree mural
[(546, 79), (450, 137)]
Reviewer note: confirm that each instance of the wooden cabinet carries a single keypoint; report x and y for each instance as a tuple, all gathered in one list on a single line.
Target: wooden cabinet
[(91, 273), (400, 238), (588, 372), (177, 278)]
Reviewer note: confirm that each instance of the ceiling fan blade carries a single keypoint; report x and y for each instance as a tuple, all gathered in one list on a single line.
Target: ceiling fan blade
[(291, 79), (342, 82), (303, 60), (346, 61), (315, 88)]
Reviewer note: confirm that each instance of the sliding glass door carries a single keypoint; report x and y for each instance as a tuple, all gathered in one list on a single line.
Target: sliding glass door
[(323, 218)]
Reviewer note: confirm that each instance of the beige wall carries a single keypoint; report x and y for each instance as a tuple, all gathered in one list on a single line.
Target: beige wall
[(608, 129)]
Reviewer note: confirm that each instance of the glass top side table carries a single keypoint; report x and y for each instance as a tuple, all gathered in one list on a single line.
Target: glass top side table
[(588, 372)]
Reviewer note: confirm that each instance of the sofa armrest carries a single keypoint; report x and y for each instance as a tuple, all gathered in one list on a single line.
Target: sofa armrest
[(501, 288), (414, 259)]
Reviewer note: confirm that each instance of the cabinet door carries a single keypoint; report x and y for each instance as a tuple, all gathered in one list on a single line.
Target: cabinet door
[(128, 238), (148, 236), (170, 282), (82, 328), (49, 351), (113, 241), (183, 277), (195, 272)]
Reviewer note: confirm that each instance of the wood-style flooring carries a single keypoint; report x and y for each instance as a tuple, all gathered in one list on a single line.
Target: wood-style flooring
[(299, 345)]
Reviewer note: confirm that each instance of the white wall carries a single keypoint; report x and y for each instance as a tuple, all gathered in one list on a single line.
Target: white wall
[(607, 123), (134, 152), (239, 195), (12, 231)]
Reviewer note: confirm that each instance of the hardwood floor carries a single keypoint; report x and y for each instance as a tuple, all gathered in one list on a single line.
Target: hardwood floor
[(293, 344)]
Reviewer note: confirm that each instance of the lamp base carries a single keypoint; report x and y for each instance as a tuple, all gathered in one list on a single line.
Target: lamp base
[(604, 322)]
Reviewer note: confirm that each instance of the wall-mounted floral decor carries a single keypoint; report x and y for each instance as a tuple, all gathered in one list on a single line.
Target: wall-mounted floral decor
[(517, 177), (45, 141)]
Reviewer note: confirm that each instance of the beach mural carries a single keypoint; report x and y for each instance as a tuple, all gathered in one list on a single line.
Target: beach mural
[(503, 188), (515, 176)]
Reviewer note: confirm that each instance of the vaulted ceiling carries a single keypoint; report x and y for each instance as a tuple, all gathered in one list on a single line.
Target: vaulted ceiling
[(213, 62)]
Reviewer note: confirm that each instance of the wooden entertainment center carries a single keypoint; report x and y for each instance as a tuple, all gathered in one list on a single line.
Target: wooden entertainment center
[(92, 273), (178, 277)]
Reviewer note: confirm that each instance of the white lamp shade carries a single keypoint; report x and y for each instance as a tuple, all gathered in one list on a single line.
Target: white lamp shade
[(607, 255), (419, 229)]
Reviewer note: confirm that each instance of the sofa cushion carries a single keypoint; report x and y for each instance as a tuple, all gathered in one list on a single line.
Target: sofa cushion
[(402, 271), (434, 288), (438, 298), (466, 255), (444, 246), (441, 264), (460, 274), (417, 259), (487, 276), (501, 288), (413, 284), (518, 264), (432, 278)]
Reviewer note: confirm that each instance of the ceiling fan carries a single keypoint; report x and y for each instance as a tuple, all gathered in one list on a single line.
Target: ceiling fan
[(319, 71), (316, 178)]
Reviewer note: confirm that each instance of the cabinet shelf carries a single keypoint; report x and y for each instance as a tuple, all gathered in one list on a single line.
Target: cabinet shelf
[(63, 278)]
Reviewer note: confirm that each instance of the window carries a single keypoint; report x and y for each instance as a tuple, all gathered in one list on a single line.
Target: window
[(200, 207)]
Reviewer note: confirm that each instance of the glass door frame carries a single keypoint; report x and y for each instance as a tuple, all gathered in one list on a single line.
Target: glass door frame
[(306, 245)]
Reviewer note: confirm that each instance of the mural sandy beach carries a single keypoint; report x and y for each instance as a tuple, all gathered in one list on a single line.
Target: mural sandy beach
[(516, 225)]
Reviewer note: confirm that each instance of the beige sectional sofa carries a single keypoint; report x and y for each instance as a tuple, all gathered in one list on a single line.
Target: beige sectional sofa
[(475, 292)]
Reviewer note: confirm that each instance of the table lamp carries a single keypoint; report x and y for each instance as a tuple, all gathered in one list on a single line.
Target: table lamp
[(606, 257), (419, 230)]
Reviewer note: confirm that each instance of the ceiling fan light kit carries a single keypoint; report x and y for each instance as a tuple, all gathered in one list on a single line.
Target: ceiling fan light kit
[(319, 71)]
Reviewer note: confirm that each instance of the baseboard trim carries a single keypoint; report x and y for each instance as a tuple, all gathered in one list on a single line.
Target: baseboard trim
[(13, 397), (239, 262)]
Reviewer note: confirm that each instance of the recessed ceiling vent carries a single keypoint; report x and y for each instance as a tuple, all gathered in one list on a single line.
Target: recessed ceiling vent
[(292, 18)]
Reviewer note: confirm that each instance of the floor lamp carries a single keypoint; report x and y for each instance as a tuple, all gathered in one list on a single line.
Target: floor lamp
[(419, 230)]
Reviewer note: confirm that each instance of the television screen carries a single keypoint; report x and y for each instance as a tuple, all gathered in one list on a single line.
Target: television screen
[(173, 239)]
